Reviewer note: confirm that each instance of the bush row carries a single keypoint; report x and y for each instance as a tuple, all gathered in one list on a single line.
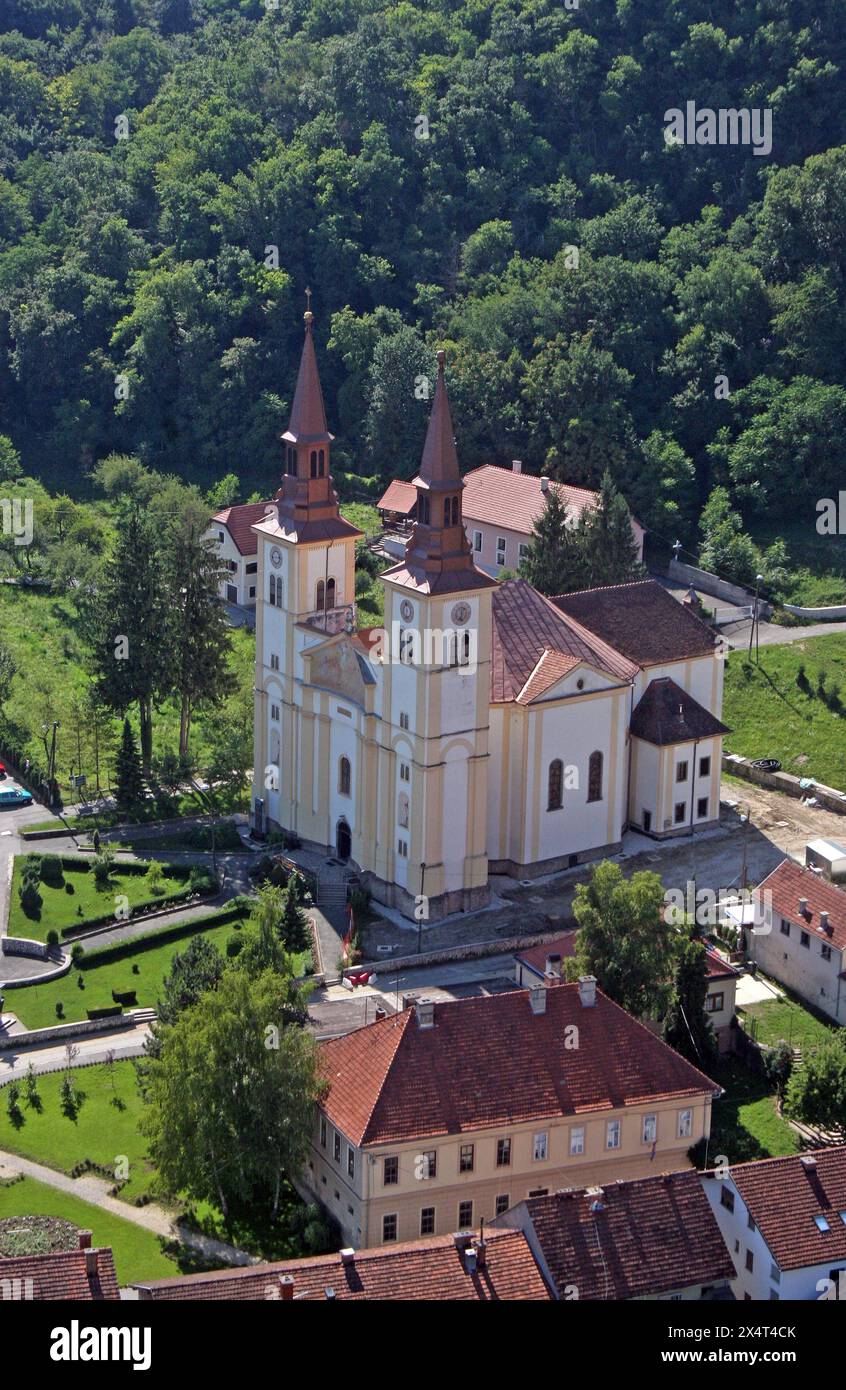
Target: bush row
[(106, 954)]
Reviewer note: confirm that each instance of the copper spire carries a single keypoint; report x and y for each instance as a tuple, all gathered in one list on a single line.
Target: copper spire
[(439, 464), (308, 416)]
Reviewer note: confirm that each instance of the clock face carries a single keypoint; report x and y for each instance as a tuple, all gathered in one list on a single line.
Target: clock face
[(276, 557), (460, 614), (406, 611)]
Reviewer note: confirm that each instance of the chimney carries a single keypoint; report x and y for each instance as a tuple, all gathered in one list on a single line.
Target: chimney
[(91, 1261), (803, 907), (824, 922), (347, 1256), (329, 1293), (286, 1287), (481, 1247), (544, 484), (425, 1013), (537, 999), (516, 466), (408, 1000), (85, 1240), (470, 1259), (587, 990), (808, 1162), (553, 966)]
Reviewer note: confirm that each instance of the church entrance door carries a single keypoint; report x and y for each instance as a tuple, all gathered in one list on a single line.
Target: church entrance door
[(343, 840)]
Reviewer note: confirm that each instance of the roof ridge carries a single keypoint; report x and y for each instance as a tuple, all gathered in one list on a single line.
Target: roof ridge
[(401, 1030), (591, 639), (829, 1151)]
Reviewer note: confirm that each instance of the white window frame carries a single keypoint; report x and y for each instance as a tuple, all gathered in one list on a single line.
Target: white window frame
[(578, 1136), (477, 541), (613, 1129), (540, 1146), (650, 1129), (501, 551), (685, 1124)]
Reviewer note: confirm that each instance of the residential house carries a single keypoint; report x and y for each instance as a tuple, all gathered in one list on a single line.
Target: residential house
[(231, 532), (541, 964), (446, 1114), (462, 1267), (720, 998), (650, 1238), (784, 1222), (800, 937), (84, 1275)]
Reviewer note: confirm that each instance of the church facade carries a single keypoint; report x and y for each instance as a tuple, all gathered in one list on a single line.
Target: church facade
[(484, 728)]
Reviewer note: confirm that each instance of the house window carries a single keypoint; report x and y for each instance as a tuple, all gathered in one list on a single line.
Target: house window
[(503, 1153), (685, 1124), (540, 1147), (323, 1134), (502, 1203), (595, 777), (390, 1172), (805, 940), (705, 767), (679, 812), (577, 1141), (336, 1148), (785, 927), (702, 807), (350, 1161), (251, 568), (321, 596), (681, 772), (523, 551), (650, 1129), (500, 550), (465, 1215), (465, 1158), (427, 1221), (555, 788), (612, 1134), (403, 721), (252, 591), (750, 1261), (715, 1003), (727, 1198), (477, 540), (775, 1273), (402, 848), (405, 772), (220, 535), (274, 661), (825, 951), (330, 594), (344, 776), (389, 1227), (274, 712), (428, 1163), (750, 1221)]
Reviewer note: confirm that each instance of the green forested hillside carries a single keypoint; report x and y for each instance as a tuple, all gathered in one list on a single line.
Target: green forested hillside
[(428, 170)]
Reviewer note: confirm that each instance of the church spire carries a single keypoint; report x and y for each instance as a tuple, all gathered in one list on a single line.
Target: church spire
[(439, 464), (307, 503)]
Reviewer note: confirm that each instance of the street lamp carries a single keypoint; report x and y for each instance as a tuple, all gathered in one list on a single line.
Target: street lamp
[(759, 579)]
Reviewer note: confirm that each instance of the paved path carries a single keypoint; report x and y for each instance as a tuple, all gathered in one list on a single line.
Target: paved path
[(91, 1188), (95, 1047)]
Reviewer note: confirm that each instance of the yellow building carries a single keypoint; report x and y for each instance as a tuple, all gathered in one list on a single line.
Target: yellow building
[(446, 1114)]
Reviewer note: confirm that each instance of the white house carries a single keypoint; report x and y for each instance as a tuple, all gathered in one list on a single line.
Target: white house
[(784, 1222), (231, 531), (801, 936), (484, 727)]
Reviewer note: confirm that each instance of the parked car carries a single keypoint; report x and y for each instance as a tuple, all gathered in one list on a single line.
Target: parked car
[(14, 796), (767, 764)]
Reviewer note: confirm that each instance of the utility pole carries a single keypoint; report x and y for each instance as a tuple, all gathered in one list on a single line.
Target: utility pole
[(753, 631)]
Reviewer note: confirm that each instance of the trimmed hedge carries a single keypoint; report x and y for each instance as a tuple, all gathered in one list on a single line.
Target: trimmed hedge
[(86, 924), (150, 939), (112, 1011)]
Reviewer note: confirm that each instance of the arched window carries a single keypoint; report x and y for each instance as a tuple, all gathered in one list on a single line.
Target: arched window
[(292, 461), (556, 785), (423, 508), (446, 511), (313, 463), (455, 511), (273, 589), (321, 595), (595, 777), (330, 594), (321, 459), (344, 777)]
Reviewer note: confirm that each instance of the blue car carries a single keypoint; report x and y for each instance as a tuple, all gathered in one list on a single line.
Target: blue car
[(14, 796)]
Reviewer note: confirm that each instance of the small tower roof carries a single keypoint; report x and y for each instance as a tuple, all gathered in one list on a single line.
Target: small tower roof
[(439, 463), (308, 415)]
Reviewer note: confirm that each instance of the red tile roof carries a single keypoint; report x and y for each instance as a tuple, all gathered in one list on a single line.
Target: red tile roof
[(634, 1239), (783, 1195), (238, 521), (641, 620), (421, 1270), (790, 882), (399, 497), (492, 1061), (717, 968), (497, 496), (526, 628), (666, 714), (73, 1275), (535, 956)]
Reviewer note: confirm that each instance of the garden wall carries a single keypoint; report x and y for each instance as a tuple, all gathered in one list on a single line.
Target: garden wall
[(828, 797)]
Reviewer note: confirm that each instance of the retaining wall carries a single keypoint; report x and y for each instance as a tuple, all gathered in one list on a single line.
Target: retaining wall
[(828, 797), (717, 588)]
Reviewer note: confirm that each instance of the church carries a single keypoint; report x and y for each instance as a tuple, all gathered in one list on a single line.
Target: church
[(485, 728)]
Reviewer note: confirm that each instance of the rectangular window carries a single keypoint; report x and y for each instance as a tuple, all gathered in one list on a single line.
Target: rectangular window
[(704, 767), (251, 568), (715, 1003), (428, 1164), (685, 1124), (775, 1273), (252, 591), (612, 1134), (405, 772), (427, 1221), (702, 807), (804, 940), (538, 1191), (681, 772), (502, 1203), (679, 812), (825, 952), (750, 1221), (577, 1141), (500, 550), (650, 1129), (750, 1261), (477, 540), (403, 721), (727, 1198), (785, 927), (503, 1153), (323, 1134), (336, 1148), (466, 1157), (389, 1227), (523, 551), (351, 1161), (274, 712), (465, 1215), (390, 1174), (540, 1146), (274, 661), (402, 849)]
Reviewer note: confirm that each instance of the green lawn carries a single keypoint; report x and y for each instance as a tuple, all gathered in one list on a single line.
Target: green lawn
[(79, 897), (139, 1254), (104, 1128), (818, 563), (771, 717), (770, 1021), (745, 1123), (35, 1005)]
